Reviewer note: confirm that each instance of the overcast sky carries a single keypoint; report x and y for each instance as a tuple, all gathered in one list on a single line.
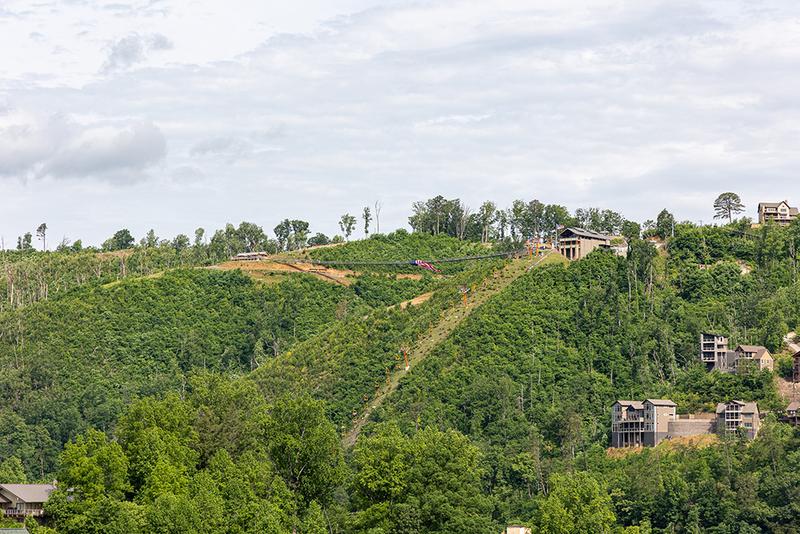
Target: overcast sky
[(178, 114)]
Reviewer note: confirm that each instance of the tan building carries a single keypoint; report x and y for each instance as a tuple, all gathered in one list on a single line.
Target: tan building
[(777, 212), (577, 243), (759, 356), (713, 351), (517, 529), (735, 415), (639, 424), (21, 500), (793, 413)]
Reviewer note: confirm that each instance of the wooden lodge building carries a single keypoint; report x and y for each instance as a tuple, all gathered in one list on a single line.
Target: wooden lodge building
[(777, 212), (577, 243), (21, 500)]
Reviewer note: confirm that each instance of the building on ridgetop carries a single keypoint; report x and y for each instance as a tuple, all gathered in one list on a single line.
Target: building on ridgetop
[(777, 212), (734, 415), (639, 424), (22, 500), (577, 243), (713, 351), (758, 355)]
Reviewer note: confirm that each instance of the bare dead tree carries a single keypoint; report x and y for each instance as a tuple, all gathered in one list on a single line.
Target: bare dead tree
[(378, 216), (462, 222)]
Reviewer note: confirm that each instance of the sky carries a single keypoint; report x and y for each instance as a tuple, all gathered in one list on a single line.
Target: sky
[(174, 115)]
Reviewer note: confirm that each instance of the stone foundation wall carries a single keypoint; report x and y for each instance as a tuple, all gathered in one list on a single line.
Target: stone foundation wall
[(690, 427)]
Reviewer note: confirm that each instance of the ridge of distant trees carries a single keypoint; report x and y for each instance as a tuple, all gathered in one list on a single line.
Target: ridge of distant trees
[(438, 215)]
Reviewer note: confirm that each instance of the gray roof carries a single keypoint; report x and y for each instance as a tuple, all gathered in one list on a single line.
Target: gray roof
[(759, 351), (20, 530), (773, 204), (29, 493), (585, 233), (661, 402), (713, 334), (792, 209), (630, 404), (747, 407)]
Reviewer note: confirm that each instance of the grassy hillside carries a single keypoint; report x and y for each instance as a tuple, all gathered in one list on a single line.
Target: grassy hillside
[(401, 246), (345, 364)]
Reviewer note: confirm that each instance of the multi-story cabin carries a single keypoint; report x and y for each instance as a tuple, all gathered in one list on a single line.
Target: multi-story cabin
[(754, 356), (713, 351), (22, 500), (735, 415), (577, 243), (778, 212), (637, 424)]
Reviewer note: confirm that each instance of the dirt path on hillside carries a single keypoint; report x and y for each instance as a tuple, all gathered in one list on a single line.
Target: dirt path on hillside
[(789, 340), (416, 301), (258, 269), (451, 318), (788, 389), (338, 276)]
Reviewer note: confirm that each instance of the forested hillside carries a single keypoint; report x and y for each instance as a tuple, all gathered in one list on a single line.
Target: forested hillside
[(78, 361), (175, 397)]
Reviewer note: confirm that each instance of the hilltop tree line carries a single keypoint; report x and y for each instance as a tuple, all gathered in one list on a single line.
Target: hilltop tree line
[(438, 215)]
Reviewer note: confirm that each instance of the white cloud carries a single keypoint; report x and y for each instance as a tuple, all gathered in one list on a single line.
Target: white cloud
[(632, 106), (34, 147), (133, 49)]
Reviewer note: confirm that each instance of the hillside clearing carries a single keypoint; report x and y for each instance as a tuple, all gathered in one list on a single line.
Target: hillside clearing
[(492, 285), (668, 445)]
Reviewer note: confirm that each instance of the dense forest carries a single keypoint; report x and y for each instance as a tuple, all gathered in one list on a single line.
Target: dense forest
[(167, 394)]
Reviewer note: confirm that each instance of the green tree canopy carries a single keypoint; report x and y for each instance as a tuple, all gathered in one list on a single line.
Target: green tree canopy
[(727, 205)]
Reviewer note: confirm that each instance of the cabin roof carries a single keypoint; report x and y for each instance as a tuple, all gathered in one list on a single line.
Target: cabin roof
[(630, 404), (757, 349), (583, 232), (661, 402), (29, 493), (747, 407)]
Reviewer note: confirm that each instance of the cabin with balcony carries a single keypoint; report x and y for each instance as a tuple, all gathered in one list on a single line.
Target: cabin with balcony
[(641, 424), (19, 501), (736, 416), (776, 212), (714, 351)]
